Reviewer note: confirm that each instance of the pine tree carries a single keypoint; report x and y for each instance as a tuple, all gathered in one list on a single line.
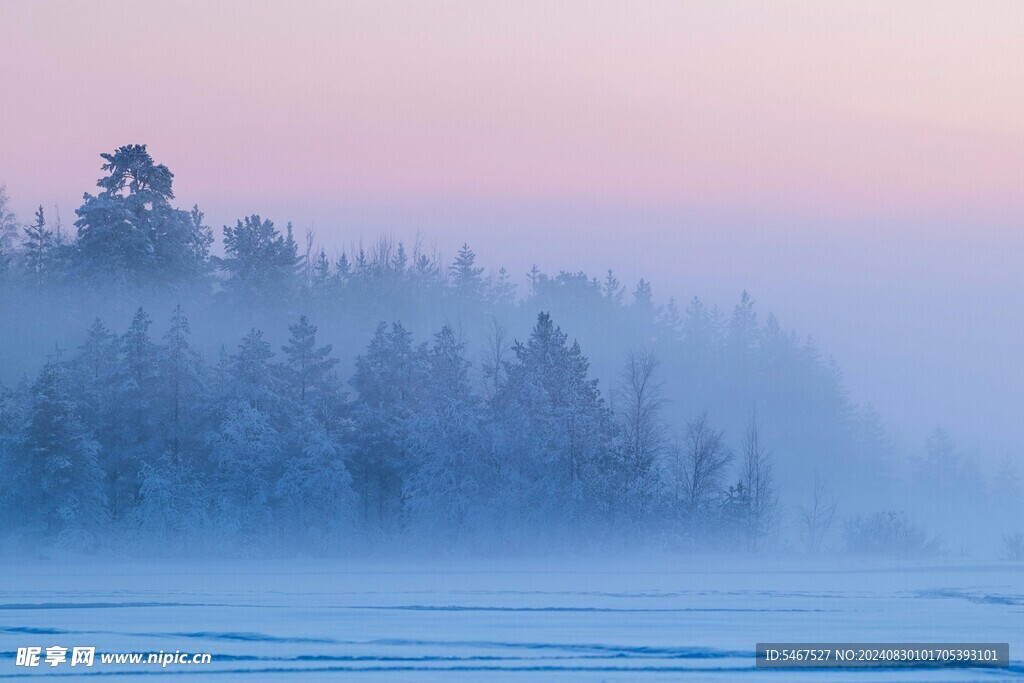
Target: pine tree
[(261, 263), (93, 375), (58, 469), (193, 248), (130, 235), (181, 372), (253, 378), (245, 450), (38, 244), (612, 289), (643, 297), (321, 280), (445, 490), (390, 381), (534, 276), (342, 270), (314, 491), (558, 429), (465, 277), (173, 509), (502, 290), (307, 366), (10, 420), (743, 328), (135, 430)]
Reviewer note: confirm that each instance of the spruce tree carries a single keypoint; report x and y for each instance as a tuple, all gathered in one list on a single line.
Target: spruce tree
[(181, 373), (307, 366), (465, 276), (58, 469), (38, 244)]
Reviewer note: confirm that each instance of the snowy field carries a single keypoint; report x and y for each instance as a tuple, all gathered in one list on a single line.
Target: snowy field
[(587, 620)]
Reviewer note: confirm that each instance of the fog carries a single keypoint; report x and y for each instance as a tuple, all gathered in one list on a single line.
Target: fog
[(374, 382), (859, 178), (464, 340), (915, 307)]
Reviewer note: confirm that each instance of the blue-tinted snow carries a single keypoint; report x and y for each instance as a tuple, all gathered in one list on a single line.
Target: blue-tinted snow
[(580, 619)]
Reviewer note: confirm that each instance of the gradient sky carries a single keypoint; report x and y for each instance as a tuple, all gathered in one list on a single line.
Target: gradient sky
[(857, 165)]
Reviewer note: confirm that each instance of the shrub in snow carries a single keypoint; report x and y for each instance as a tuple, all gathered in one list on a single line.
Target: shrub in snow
[(1013, 546), (889, 533)]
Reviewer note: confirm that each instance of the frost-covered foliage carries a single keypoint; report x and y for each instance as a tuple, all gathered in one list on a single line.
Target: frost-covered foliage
[(447, 411), (129, 233), (54, 466), (145, 439), (889, 533)]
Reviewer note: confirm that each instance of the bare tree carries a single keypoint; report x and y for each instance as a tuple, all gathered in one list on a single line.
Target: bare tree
[(426, 266), (494, 357), (702, 460), (307, 257), (818, 517), (758, 479), (643, 432), (58, 227)]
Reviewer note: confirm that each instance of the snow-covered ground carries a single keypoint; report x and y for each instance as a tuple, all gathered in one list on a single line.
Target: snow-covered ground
[(579, 619)]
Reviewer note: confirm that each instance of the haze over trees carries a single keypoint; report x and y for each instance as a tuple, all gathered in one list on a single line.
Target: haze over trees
[(154, 393)]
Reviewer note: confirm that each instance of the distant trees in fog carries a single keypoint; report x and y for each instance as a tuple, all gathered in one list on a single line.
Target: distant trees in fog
[(139, 436), (382, 396)]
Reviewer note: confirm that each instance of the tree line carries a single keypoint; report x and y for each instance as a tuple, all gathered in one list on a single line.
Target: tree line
[(128, 434), (492, 431)]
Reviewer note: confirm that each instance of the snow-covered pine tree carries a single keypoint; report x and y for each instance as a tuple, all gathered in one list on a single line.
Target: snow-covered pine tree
[(134, 421), (466, 278), (314, 492), (245, 450), (181, 384), (306, 366), (447, 488), (130, 235), (556, 432), (253, 378), (261, 263), (57, 471), (37, 245), (390, 381)]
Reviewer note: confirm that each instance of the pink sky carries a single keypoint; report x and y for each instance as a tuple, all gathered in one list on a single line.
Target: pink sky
[(857, 165), (846, 108)]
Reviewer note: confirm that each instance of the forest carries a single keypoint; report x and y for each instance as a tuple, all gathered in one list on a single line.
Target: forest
[(161, 392)]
